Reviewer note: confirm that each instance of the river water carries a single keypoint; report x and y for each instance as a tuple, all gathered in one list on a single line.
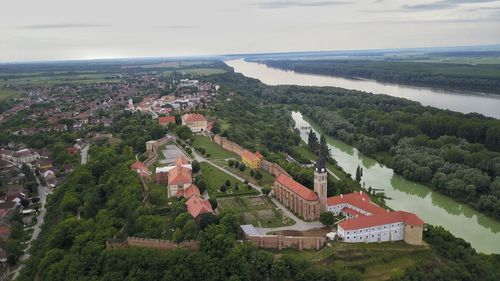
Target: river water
[(488, 105), (481, 231)]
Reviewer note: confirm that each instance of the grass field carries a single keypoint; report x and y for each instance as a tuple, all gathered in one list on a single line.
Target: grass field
[(59, 79), (215, 151), (376, 261), (215, 178), (158, 194), (5, 94), (267, 179), (256, 210), (197, 71)]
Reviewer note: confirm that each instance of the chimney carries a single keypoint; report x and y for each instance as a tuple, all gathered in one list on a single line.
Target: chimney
[(341, 196), (360, 192)]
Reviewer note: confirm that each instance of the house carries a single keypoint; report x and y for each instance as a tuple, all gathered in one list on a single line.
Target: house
[(141, 169), (197, 206), (164, 121), (251, 160), (25, 156), (194, 121), (179, 177)]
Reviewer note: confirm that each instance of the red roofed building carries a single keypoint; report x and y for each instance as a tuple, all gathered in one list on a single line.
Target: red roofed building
[(164, 121), (197, 206), (194, 121), (141, 169), (353, 204), (381, 227), (298, 198), (253, 161), (179, 177)]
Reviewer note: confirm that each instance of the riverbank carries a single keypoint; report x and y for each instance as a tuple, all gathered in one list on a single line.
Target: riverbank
[(476, 228), (461, 102)]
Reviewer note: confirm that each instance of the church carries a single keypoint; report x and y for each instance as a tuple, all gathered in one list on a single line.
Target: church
[(364, 221), (306, 203)]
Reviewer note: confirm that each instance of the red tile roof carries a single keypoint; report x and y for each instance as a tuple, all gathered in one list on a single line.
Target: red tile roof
[(249, 155), (197, 206), (382, 219), (352, 212), (356, 199), (297, 188), (166, 119), (258, 155), (193, 117), (192, 190), (181, 161), (179, 175), (141, 168)]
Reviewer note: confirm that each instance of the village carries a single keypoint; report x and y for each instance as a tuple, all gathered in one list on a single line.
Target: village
[(200, 176)]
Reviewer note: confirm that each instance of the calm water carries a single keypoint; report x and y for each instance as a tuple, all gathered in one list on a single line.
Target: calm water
[(481, 231), (488, 105)]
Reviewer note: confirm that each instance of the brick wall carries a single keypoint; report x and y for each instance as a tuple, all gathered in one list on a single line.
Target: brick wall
[(272, 168), (152, 244), (282, 242)]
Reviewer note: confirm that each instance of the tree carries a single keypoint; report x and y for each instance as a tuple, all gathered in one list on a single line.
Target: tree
[(359, 174), (327, 219), (190, 230), (312, 142), (213, 203), (181, 220), (236, 164), (177, 236), (207, 219), (258, 175), (242, 167), (223, 188), (227, 183), (266, 190), (196, 166), (230, 162), (216, 241)]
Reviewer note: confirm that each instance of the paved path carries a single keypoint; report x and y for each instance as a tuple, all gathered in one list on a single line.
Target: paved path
[(332, 174), (43, 191), (85, 154), (299, 224)]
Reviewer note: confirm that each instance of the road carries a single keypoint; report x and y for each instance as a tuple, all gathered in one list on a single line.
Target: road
[(85, 154), (299, 224), (43, 191)]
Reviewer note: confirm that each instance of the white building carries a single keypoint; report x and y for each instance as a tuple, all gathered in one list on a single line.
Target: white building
[(367, 222)]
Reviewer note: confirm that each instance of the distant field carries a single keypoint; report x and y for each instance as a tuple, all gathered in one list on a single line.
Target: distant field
[(5, 94), (34, 80), (176, 64), (197, 71)]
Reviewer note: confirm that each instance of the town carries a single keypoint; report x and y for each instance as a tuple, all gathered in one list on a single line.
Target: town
[(171, 161)]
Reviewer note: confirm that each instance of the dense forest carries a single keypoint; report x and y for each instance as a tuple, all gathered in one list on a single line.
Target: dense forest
[(473, 77), (454, 153)]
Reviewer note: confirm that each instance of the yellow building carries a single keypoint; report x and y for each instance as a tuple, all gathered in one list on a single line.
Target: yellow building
[(251, 160)]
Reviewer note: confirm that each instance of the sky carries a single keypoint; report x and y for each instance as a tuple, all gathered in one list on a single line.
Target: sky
[(32, 30)]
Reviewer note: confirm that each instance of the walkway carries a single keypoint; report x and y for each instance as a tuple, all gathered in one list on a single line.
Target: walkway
[(299, 223)]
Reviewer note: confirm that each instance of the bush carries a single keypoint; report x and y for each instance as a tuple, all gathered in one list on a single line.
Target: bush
[(230, 163), (223, 188), (266, 190), (236, 164), (196, 166), (227, 183), (242, 167)]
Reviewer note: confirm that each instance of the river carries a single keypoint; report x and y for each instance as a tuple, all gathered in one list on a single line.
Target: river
[(481, 231), (486, 104)]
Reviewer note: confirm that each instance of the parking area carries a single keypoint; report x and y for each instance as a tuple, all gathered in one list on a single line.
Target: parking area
[(170, 152)]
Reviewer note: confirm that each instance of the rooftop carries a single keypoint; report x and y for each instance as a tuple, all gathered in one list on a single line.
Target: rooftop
[(297, 188)]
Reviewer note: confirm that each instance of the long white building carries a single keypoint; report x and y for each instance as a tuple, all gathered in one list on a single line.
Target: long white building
[(367, 222)]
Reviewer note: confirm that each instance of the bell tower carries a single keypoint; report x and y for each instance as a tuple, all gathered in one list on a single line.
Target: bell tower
[(320, 174)]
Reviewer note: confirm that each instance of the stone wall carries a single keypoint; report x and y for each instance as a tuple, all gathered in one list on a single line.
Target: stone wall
[(159, 244), (282, 242), (228, 145), (413, 235), (272, 168), (267, 166)]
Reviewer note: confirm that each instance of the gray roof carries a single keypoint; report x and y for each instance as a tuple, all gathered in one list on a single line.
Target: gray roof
[(249, 229)]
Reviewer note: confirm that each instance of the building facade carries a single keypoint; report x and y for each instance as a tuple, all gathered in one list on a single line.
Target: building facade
[(251, 160), (196, 122)]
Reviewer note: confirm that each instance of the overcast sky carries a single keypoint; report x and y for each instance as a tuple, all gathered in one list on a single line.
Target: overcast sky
[(66, 29)]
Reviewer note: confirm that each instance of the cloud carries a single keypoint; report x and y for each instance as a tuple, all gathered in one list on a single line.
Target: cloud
[(176, 26), (442, 4), (62, 25), (299, 3)]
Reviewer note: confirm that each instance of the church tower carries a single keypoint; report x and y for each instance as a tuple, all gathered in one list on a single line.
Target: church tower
[(320, 174)]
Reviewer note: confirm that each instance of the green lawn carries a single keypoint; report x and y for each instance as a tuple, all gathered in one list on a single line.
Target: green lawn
[(215, 178), (214, 150), (60, 79), (5, 94), (376, 261), (267, 179), (158, 195), (256, 210)]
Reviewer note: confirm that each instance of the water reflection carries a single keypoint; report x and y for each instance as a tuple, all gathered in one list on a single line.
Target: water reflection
[(481, 231)]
